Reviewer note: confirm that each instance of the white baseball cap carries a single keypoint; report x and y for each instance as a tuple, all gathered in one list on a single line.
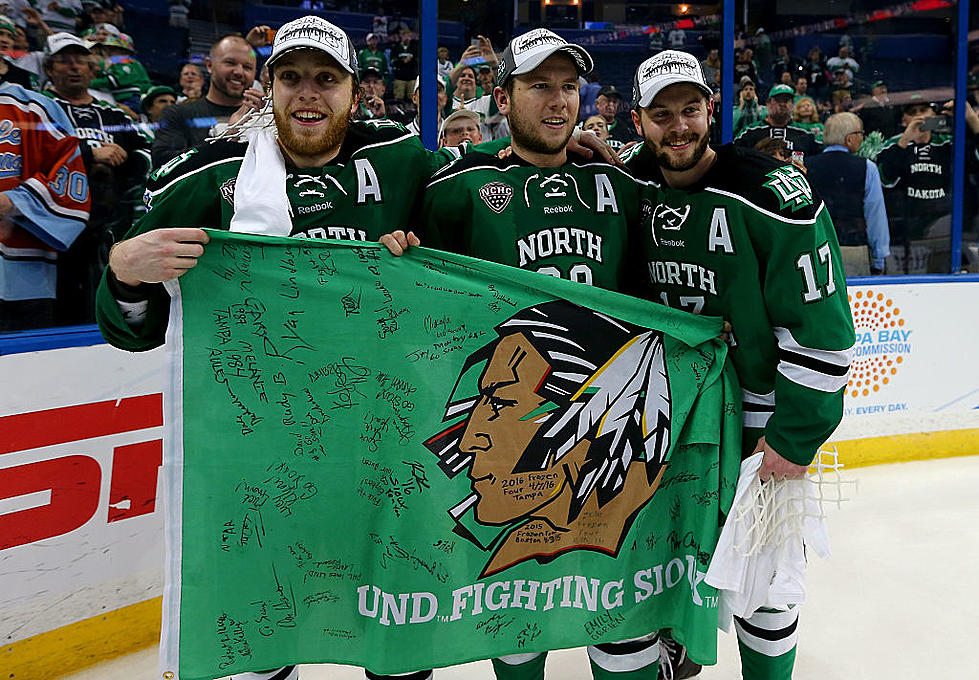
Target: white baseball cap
[(669, 67), (456, 115), (313, 32), (528, 51), (59, 42)]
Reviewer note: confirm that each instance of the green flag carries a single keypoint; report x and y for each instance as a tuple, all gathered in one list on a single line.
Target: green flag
[(406, 463)]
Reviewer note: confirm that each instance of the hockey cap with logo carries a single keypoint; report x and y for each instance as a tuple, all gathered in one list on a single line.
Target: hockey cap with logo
[(312, 32), (59, 42), (670, 67), (528, 51), (456, 115), (782, 89)]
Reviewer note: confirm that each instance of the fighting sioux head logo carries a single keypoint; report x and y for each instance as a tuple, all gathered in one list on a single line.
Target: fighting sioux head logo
[(790, 186), (564, 417), (496, 196)]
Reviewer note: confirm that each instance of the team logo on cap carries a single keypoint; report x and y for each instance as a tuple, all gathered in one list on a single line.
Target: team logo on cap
[(536, 38), (671, 64), (317, 30), (496, 196)]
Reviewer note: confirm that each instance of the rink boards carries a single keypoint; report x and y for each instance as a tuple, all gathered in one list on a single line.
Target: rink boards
[(81, 541)]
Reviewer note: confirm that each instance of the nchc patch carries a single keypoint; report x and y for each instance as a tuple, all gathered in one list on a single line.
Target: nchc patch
[(496, 195), (790, 186)]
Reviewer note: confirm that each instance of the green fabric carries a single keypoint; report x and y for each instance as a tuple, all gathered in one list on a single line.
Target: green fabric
[(123, 79), (337, 403)]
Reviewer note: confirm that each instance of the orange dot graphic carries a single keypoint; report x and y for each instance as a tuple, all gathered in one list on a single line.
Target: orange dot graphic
[(900, 322), (880, 296), (889, 303), (886, 380), (876, 388), (893, 371), (859, 294), (900, 359), (866, 392)]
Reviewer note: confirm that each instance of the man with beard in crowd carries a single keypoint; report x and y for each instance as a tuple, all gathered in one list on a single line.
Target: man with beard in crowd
[(778, 124), (232, 67), (741, 235)]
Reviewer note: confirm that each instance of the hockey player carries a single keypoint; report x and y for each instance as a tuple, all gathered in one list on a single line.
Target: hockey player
[(541, 208), (778, 124), (733, 233), (545, 209)]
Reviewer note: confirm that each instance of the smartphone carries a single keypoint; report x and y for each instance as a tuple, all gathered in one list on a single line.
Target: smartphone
[(937, 124), (797, 157), (270, 35), (474, 42), (475, 61)]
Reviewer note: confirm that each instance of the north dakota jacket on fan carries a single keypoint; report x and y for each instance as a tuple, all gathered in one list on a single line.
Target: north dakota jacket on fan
[(752, 242)]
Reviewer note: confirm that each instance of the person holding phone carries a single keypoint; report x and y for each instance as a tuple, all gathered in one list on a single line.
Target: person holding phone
[(916, 170)]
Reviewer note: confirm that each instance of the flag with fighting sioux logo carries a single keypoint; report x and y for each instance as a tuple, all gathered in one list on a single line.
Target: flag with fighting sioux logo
[(407, 463)]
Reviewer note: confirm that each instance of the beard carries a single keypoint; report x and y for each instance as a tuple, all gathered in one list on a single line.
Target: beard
[(669, 162), (310, 145), (780, 119), (528, 135)]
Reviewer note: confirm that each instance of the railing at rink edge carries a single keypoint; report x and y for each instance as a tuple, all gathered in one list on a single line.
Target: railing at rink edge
[(81, 336)]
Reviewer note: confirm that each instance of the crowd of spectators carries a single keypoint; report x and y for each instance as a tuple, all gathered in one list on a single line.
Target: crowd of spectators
[(78, 55)]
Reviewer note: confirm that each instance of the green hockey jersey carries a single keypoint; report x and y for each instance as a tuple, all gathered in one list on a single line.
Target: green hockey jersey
[(569, 221), (371, 188), (753, 243)]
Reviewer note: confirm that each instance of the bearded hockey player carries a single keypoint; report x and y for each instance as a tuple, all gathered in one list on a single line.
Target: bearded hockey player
[(546, 209), (733, 233), (301, 168)]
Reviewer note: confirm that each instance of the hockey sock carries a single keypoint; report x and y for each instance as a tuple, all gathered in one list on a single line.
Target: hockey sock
[(767, 641), (628, 659), (520, 666)]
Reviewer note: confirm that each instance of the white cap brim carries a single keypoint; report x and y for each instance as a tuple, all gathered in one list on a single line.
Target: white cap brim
[(647, 97), (532, 62), (302, 44)]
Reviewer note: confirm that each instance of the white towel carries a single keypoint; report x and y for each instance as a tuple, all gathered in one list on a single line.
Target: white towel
[(261, 204), (760, 560)]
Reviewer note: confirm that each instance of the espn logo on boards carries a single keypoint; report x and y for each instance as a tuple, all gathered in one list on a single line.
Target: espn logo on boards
[(61, 493)]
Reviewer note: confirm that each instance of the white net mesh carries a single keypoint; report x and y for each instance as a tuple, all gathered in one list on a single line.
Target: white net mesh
[(774, 512)]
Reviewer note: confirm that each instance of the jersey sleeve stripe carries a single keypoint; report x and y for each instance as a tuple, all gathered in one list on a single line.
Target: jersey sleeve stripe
[(774, 216), (465, 170), (40, 191), (757, 408), (819, 369), (193, 172)]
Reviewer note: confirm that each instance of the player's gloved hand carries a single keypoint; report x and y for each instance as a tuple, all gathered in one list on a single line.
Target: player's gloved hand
[(587, 143), (158, 255), (397, 242), (773, 466)]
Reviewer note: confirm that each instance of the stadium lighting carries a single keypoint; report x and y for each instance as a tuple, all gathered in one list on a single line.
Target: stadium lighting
[(684, 9)]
